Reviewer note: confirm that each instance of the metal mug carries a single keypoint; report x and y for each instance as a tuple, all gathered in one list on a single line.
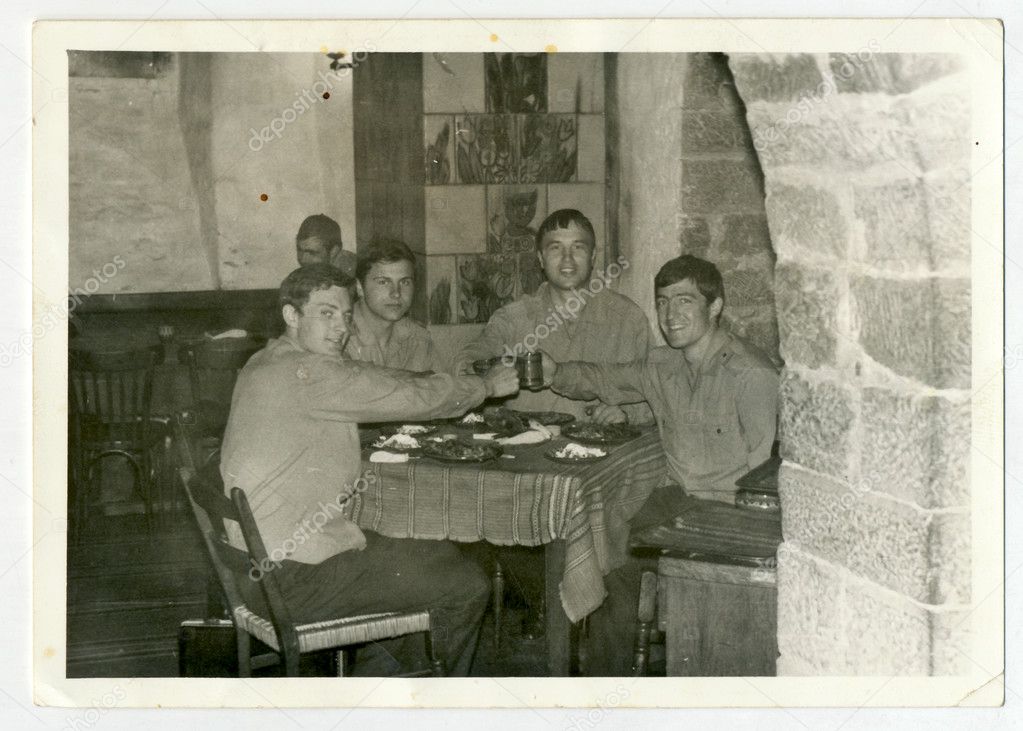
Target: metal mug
[(530, 368)]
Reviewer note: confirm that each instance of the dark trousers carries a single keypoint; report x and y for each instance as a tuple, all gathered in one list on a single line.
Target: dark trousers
[(393, 574), (610, 640)]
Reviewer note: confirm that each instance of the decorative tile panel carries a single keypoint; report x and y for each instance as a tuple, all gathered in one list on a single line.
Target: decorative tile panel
[(485, 284), (585, 197), (546, 148), (438, 146), (441, 289), (455, 219), (483, 148), (516, 82), (514, 212), (453, 83), (575, 82)]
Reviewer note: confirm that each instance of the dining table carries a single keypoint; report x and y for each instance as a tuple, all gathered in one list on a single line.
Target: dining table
[(578, 512)]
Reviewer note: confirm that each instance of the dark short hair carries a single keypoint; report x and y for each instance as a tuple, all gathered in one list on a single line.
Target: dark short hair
[(705, 276), (297, 286), (564, 218), (322, 227), (383, 251)]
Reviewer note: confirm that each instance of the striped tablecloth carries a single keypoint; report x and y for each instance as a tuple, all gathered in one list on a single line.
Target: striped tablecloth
[(526, 500)]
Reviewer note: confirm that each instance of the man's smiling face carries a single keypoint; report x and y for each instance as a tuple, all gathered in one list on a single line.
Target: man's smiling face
[(567, 256), (323, 324), (684, 314)]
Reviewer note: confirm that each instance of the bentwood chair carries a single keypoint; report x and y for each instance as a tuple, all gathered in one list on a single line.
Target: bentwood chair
[(109, 405), (272, 625), (213, 367)]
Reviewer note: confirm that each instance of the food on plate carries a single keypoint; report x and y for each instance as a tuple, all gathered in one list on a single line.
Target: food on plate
[(548, 418), (600, 433), (453, 450), (397, 441), (578, 451), (410, 429), (472, 418), (504, 421)]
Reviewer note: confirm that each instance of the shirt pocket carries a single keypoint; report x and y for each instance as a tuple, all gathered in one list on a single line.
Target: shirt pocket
[(722, 445)]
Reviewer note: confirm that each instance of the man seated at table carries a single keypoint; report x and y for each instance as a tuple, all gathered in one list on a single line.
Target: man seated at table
[(319, 242), (715, 399), (292, 445), (382, 332), (572, 316)]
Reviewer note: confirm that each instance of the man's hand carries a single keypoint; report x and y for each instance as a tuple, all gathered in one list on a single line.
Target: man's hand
[(607, 414), (550, 368), (501, 380)]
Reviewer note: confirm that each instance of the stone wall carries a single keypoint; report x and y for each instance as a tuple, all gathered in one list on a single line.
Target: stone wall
[(866, 160)]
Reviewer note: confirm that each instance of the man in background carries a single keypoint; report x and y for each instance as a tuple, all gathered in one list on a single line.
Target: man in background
[(382, 332), (319, 242)]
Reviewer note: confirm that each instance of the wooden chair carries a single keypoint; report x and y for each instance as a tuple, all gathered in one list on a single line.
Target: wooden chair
[(273, 626), (213, 367), (110, 394)]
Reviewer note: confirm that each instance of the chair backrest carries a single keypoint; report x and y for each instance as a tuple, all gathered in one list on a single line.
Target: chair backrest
[(213, 367), (279, 614), (113, 390), (211, 510)]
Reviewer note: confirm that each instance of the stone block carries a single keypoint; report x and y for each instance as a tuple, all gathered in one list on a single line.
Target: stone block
[(745, 235), (889, 73), (709, 83), (806, 222), (694, 235), (714, 131), (950, 558), (895, 545), (807, 304), (811, 602), (948, 202), (951, 643), (761, 330), (746, 288), (775, 77), (918, 328), (815, 423), (722, 186), (940, 127), (887, 634), (845, 132), (916, 448), (895, 225)]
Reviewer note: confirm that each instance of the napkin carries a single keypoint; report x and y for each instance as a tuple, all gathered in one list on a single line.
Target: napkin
[(533, 436), (382, 456), (485, 436)]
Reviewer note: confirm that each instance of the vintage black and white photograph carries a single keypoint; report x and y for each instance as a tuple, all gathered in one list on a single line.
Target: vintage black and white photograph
[(519, 360)]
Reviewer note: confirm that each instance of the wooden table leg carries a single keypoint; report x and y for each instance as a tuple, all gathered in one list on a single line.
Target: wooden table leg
[(559, 629)]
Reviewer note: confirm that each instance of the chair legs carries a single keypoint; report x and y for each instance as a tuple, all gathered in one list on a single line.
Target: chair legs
[(142, 483), (647, 616), (498, 599), (436, 662)]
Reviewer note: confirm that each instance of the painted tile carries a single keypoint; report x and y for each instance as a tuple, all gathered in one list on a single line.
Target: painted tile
[(591, 167), (455, 219), (585, 197), (485, 284), (441, 289), (546, 147), (453, 83), (438, 148), (483, 148), (531, 273), (516, 82), (514, 212), (575, 82)]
